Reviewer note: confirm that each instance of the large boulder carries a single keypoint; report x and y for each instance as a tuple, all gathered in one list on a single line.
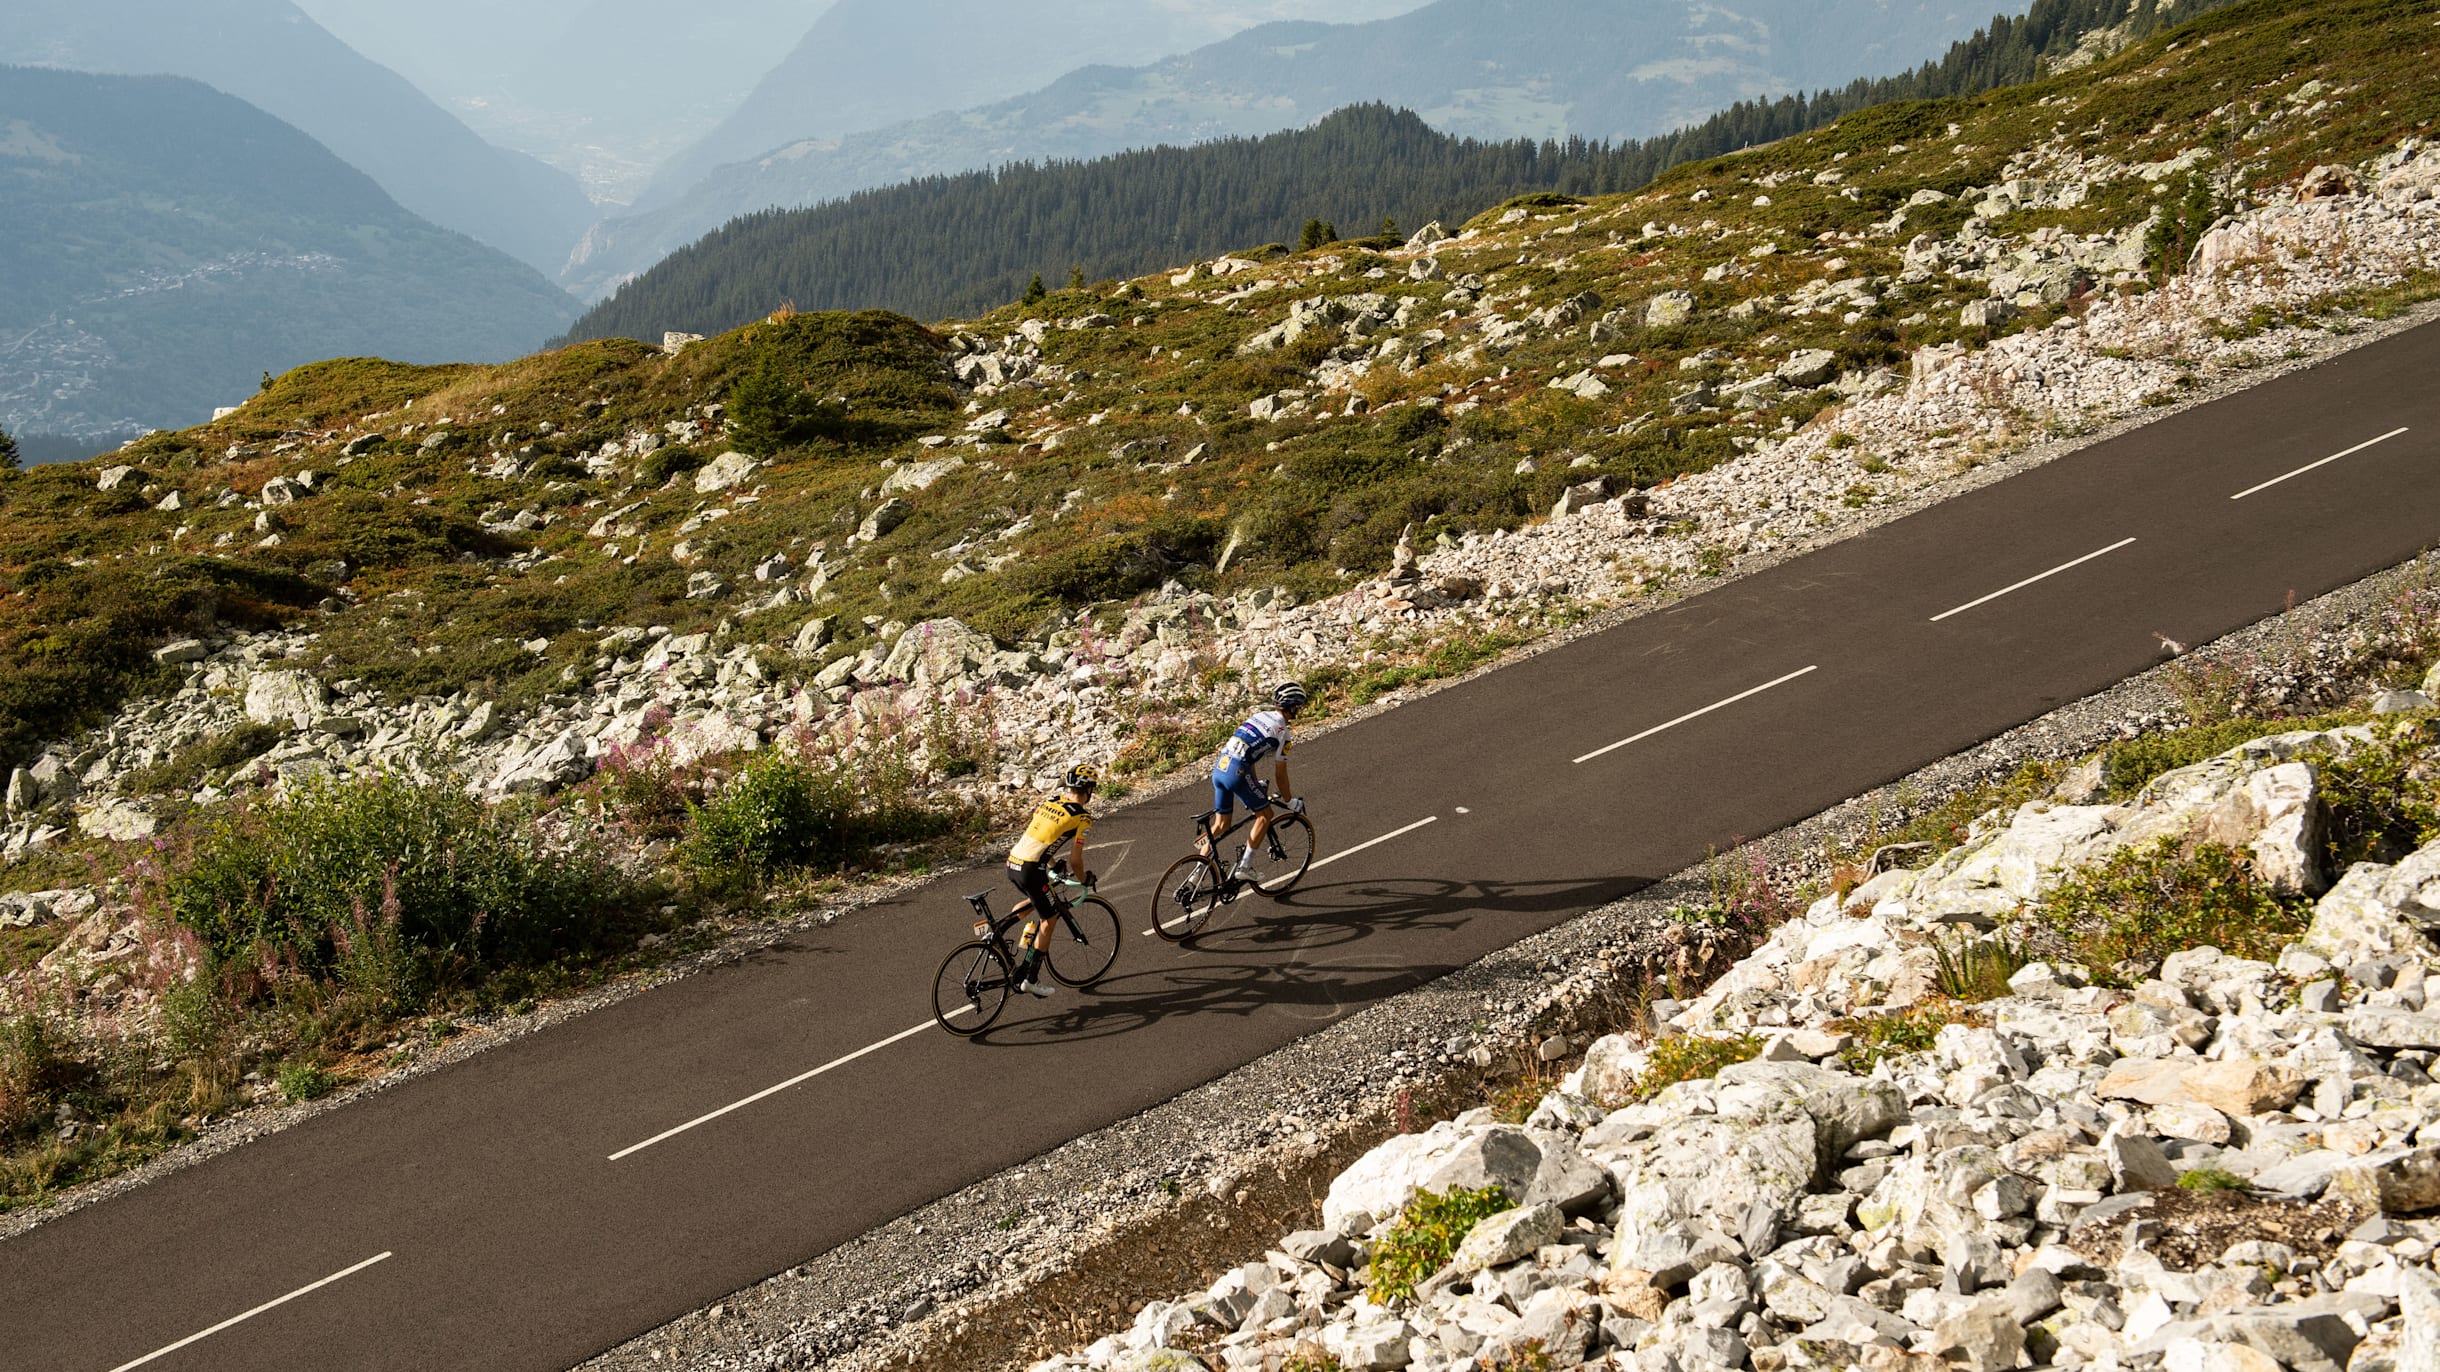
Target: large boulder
[(2379, 912), (1533, 1166), (722, 472), (938, 651), (885, 518), (920, 476), (286, 697), (1740, 1150), (1669, 309)]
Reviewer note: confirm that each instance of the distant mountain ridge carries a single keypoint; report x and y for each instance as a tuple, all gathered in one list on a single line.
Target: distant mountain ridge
[(271, 55), (1491, 69), (167, 243), (956, 245), (868, 64)]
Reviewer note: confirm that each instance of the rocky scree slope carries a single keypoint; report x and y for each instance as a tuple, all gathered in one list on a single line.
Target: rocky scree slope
[(1847, 1153), (1102, 522)]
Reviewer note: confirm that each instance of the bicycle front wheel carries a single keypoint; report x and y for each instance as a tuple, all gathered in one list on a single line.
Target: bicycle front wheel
[(1188, 893), (1283, 856), (1084, 942), (971, 988)]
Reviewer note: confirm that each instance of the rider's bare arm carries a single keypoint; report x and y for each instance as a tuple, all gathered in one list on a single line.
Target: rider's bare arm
[(1279, 775)]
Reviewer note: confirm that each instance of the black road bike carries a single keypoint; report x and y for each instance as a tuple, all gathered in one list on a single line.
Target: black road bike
[(1199, 883), (973, 983)]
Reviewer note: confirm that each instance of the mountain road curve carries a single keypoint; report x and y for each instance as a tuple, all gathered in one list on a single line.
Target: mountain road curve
[(563, 1193)]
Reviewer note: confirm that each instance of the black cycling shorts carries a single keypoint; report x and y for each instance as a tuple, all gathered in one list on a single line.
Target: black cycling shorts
[(1034, 879)]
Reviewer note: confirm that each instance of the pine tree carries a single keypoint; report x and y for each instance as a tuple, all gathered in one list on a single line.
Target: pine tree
[(1389, 227), (1076, 277), (1317, 233), (1034, 291), (8, 452)]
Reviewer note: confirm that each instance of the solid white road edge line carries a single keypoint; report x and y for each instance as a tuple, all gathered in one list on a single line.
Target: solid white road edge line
[(2300, 471), (1697, 714), (1351, 852), (241, 1319), (797, 1080), (2004, 590)]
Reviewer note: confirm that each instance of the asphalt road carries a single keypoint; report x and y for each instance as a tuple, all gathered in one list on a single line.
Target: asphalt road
[(499, 1215)]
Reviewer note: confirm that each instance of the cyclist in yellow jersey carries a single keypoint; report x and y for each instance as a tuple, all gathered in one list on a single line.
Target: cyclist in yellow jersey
[(1056, 821)]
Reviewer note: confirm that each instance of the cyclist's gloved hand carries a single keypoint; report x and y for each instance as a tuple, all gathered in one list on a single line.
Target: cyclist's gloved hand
[(1297, 805), (1092, 879)]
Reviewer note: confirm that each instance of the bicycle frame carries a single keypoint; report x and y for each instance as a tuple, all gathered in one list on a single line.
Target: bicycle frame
[(1203, 822), (995, 927)]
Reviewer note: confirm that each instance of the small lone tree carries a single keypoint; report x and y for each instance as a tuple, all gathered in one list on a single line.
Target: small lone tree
[(1317, 233), (1034, 291), (1076, 278), (1389, 227), (8, 452)]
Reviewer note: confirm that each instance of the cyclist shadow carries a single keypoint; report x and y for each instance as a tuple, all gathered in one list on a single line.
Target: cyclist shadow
[(1314, 918), (1240, 968)]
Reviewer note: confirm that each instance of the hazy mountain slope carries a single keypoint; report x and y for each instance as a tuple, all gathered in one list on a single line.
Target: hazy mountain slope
[(1484, 68), (871, 63), (167, 244), (602, 89), (270, 54)]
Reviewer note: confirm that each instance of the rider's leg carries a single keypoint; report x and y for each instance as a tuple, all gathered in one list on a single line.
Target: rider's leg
[(1224, 805)]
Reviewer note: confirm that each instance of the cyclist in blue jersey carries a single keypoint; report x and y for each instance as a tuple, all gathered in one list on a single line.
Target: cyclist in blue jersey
[(1264, 734)]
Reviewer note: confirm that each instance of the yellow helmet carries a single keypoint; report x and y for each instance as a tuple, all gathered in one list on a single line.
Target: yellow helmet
[(1084, 776)]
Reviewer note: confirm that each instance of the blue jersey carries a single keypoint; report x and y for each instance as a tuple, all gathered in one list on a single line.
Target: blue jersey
[(1259, 737)]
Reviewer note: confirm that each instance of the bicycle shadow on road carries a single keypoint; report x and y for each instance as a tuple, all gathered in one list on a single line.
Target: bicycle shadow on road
[(1263, 964), (1316, 917)]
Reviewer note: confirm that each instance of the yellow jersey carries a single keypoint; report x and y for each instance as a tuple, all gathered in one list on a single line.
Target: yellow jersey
[(1055, 821)]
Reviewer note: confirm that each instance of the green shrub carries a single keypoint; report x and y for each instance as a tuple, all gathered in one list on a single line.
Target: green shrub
[(2122, 918), (1974, 970), (2379, 801), (1427, 1234), (388, 886), (2129, 765), (1911, 1030), (771, 412), (2212, 1180), (661, 464), (304, 1081), (777, 812), (782, 812), (1687, 1058)]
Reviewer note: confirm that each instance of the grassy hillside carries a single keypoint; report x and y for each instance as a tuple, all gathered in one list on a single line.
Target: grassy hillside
[(555, 498), (168, 244), (951, 246)]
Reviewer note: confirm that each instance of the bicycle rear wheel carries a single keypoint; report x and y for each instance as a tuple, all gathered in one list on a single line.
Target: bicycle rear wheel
[(971, 987), (1084, 942), (1187, 894), (1283, 856)]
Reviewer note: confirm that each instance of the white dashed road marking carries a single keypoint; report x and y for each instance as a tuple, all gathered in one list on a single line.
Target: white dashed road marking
[(233, 1320), (1697, 714), (799, 1079), (2300, 471), (2004, 590), (1351, 852)]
